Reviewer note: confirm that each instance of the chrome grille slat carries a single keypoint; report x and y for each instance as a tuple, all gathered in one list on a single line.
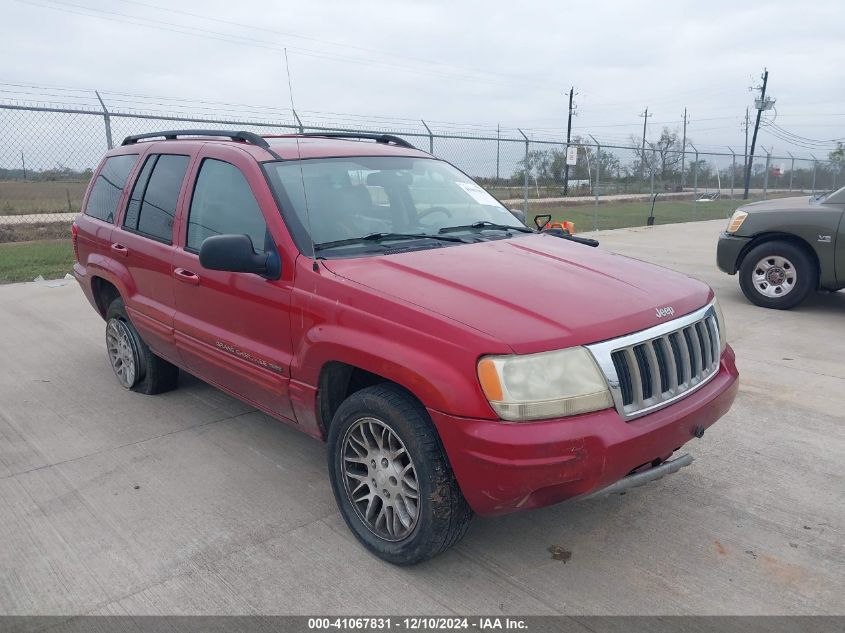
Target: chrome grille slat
[(636, 378), (686, 362), (662, 363), (650, 369), (695, 352), (706, 349), (713, 329), (672, 365), (651, 358)]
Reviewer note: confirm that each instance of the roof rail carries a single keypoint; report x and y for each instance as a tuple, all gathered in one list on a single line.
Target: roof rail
[(246, 137), (378, 138)]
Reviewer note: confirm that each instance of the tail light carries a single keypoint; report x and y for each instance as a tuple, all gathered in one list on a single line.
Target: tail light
[(74, 234)]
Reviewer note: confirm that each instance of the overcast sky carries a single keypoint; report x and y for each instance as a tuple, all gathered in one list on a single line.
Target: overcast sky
[(468, 63)]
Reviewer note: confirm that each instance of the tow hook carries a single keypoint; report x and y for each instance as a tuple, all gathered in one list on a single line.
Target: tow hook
[(698, 431)]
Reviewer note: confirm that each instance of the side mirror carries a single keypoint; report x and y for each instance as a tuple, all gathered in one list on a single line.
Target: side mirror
[(234, 253), (519, 214)]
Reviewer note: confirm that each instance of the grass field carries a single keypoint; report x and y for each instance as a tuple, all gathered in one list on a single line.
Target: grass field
[(29, 250), (18, 197), (24, 261), (624, 214)]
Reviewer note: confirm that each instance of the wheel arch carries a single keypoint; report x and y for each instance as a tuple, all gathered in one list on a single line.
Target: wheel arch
[(338, 380), (104, 293), (776, 236)]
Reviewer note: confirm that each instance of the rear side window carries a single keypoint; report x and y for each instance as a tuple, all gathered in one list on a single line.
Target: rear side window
[(223, 204), (152, 205), (105, 195)]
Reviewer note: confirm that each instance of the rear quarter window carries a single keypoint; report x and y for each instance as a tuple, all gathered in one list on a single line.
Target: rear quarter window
[(107, 189)]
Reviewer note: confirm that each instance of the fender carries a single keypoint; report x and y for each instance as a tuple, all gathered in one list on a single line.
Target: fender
[(806, 226), (441, 381), (114, 272)]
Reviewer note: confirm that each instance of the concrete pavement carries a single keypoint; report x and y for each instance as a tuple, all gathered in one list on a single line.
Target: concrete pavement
[(193, 503)]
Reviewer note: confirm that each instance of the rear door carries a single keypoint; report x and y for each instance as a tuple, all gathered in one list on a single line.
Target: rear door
[(144, 243), (233, 329)]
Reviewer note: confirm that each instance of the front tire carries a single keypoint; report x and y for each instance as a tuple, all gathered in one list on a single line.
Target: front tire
[(391, 479), (778, 275), (137, 368)]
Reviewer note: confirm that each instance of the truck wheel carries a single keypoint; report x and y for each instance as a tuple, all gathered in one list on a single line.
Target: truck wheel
[(777, 275), (134, 364), (391, 479)]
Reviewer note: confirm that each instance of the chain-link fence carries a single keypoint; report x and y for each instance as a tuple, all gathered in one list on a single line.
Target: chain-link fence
[(47, 156)]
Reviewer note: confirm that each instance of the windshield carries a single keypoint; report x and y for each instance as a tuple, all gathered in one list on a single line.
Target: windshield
[(360, 203)]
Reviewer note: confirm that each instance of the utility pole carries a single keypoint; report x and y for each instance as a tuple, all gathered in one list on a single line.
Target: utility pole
[(498, 135), (684, 151), (745, 155), (568, 136), (645, 116), (760, 104)]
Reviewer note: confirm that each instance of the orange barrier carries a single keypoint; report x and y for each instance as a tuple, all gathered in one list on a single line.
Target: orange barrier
[(565, 225)]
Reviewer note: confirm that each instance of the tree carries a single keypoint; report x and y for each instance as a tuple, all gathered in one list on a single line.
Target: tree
[(838, 154), (668, 149), (663, 155), (537, 163)]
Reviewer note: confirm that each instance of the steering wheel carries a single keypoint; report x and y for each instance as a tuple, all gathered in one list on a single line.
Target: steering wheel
[(431, 210)]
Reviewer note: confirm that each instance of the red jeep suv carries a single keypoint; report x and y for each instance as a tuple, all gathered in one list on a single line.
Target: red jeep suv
[(454, 360)]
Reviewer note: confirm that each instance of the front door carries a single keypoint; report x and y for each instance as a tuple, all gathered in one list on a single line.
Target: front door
[(233, 329)]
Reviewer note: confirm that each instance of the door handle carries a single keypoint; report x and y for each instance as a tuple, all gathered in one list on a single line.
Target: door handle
[(119, 249), (186, 276)]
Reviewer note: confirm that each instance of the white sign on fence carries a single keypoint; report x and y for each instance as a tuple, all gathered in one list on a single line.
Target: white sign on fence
[(572, 155)]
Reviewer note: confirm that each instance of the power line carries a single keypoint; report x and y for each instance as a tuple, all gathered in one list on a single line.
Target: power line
[(799, 137), (344, 45), (181, 29)]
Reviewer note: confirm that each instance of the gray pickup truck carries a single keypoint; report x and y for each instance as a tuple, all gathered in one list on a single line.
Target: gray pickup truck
[(787, 248)]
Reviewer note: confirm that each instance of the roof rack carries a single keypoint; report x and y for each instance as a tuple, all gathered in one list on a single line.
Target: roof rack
[(246, 137), (378, 138)]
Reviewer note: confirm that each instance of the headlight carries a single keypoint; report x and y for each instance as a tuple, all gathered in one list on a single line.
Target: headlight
[(546, 385), (720, 320), (736, 221)]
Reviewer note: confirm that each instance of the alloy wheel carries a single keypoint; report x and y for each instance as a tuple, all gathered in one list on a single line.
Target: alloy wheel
[(121, 351), (380, 479)]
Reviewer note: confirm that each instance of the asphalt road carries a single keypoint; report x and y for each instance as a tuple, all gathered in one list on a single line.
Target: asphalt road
[(191, 502)]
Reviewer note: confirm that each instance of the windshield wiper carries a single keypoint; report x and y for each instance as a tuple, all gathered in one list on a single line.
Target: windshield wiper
[(484, 224), (385, 237)]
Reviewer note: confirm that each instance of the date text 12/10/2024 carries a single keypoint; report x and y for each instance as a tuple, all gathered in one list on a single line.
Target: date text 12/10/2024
[(417, 623)]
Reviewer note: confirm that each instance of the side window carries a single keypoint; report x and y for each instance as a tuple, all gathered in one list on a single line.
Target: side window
[(223, 204), (152, 205), (102, 203)]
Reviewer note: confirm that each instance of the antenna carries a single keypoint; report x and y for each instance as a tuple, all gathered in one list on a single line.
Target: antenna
[(301, 172)]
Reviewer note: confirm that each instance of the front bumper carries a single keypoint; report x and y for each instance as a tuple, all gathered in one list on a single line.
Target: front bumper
[(728, 251), (503, 467)]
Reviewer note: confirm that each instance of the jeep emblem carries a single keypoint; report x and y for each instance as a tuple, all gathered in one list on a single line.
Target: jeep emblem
[(667, 311)]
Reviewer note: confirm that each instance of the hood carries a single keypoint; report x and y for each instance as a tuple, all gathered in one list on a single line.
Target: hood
[(795, 203), (531, 292)]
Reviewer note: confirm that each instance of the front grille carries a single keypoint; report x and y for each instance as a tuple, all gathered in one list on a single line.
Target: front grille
[(649, 369)]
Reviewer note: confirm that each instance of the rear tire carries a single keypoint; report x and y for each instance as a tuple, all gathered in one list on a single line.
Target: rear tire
[(391, 479), (778, 275), (137, 368)]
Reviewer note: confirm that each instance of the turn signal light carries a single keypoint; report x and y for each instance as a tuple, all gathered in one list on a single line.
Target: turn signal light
[(736, 221)]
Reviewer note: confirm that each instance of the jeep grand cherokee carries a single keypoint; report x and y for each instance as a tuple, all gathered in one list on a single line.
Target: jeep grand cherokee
[(453, 360)]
